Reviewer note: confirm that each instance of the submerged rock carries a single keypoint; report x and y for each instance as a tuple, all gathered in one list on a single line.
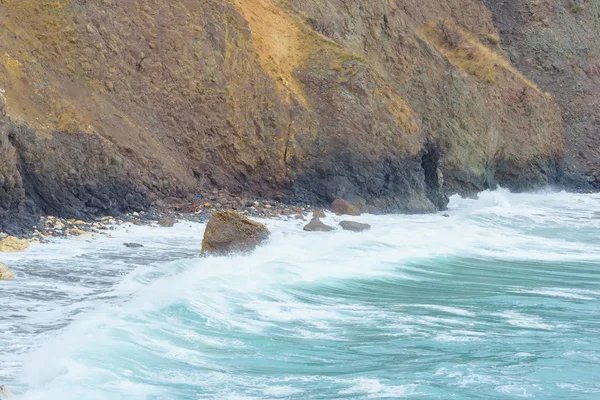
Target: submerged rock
[(230, 232), (354, 226), (5, 273), (133, 245), (13, 245), (316, 225), (167, 222), (342, 207)]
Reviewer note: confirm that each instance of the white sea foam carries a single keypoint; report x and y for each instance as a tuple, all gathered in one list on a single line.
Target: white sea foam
[(373, 388), (558, 292), (525, 321), (514, 390), (446, 309), (130, 321)]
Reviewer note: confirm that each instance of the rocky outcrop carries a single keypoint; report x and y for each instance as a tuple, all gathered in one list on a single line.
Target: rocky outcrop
[(557, 45), (57, 174), (316, 225), (5, 273), (106, 107), (354, 226), (11, 244), (342, 207), (229, 232)]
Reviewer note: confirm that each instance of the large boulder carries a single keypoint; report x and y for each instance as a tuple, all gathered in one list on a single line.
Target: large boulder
[(342, 207), (230, 232), (5, 273), (316, 225), (13, 245), (354, 226)]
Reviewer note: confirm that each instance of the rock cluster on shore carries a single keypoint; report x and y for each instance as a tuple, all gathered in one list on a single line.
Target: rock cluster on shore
[(340, 207), (229, 229), (165, 213), (316, 225)]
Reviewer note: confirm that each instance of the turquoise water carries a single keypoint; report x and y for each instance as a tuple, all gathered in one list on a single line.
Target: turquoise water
[(499, 300)]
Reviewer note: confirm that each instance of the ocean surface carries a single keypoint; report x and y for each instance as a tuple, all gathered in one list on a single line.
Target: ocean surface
[(500, 299)]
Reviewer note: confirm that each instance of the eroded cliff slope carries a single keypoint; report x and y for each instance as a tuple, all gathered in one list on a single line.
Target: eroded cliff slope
[(108, 105), (557, 44)]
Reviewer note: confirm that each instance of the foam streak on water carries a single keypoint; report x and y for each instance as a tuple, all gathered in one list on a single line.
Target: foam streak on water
[(499, 300)]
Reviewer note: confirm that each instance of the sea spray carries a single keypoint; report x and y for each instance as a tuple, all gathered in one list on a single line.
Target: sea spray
[(498, 299)]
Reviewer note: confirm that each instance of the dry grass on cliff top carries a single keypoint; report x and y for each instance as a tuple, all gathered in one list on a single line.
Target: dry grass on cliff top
[(464, 51), (281, 44)]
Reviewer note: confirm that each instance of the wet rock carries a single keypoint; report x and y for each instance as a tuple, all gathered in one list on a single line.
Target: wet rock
[(167, 221), (316, 225), (354, 226), (5, 273), (133, 245), (76, 232), (59, 226), (13, 245), (342, 207), (230, 232), (319, 213)]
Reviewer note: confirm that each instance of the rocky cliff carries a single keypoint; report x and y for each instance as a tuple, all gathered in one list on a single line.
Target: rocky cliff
[(109, 105), (557, 45)]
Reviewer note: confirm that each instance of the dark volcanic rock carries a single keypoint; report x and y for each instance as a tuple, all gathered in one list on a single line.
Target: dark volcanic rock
[(354, 226), (230, 232), (342, 207), (316, 225), (57, 175)]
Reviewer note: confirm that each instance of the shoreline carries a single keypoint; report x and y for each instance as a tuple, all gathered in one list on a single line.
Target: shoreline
[(165, 213)]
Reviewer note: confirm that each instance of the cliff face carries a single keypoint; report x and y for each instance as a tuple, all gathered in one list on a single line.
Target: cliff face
[(112, 104), (557, 44)]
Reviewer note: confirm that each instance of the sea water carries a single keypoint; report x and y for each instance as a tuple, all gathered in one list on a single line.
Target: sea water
[(497, 299)]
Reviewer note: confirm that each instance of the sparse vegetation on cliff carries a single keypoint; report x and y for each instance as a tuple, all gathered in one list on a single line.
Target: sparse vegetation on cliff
[(464, 51), (114, 105)]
